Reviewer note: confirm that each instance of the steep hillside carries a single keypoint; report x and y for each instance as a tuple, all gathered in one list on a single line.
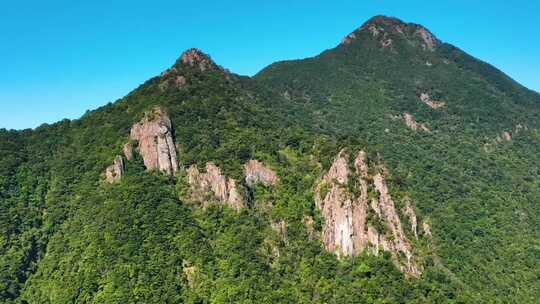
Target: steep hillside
[(393, 168), (458, 135)]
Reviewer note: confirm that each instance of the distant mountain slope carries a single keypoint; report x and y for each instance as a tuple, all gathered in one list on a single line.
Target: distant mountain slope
[(393, 168)]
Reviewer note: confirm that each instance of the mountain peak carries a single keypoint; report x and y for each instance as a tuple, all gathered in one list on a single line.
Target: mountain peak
[(196, 58), (382, 20), (387, 29)]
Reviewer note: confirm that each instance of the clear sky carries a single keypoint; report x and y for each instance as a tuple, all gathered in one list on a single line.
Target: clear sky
[(61, 58)]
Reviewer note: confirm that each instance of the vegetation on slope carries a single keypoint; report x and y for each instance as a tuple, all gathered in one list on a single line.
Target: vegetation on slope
[(67, 237)]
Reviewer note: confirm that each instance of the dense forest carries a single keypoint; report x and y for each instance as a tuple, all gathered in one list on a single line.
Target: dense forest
[(466, 156)]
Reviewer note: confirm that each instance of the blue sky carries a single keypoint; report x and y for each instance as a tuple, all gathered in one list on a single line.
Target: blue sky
[(61, 58)]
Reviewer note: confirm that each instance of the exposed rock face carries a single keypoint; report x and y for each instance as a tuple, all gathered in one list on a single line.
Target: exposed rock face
[(413, 124), (168, 72), (235, 199), (287, 95), (374, 30), (128, 151), (172, 78), (520, 127), (114, 172), (509, 135), (345, 216), (427, 229), (385, 209), (386, 42), (347, 231), (430, 43), (280, 227), (506, 136), (491, 143), (156, 144), (179, 81), (425, 98), (387, 29), (348, 39), (379, 27), (215, 184), (309, 224), (411, 215), (177, 77), (190, 272), (257, 172), (196, 58)]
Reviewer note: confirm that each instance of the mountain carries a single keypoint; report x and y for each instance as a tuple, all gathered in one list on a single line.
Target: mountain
[(393, 168)]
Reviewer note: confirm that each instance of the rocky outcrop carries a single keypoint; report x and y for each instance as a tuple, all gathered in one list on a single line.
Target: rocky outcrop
[(338, 209), (177, 76), (196, 58), (172, 78), (425, 98), (155, 141), (386, 30), (168, 72), (345, 215), (349, 214), (506, 136), (429, 42), (280, 228), (309, 224), (375, 30), (114, 172), (509, 135), (519, 127), (413, 124), (427, 229), (256, 172), (190, 271), (385, 208), (213, 185), (128, 151), (179, 81), (411, 216), (348, 39)]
